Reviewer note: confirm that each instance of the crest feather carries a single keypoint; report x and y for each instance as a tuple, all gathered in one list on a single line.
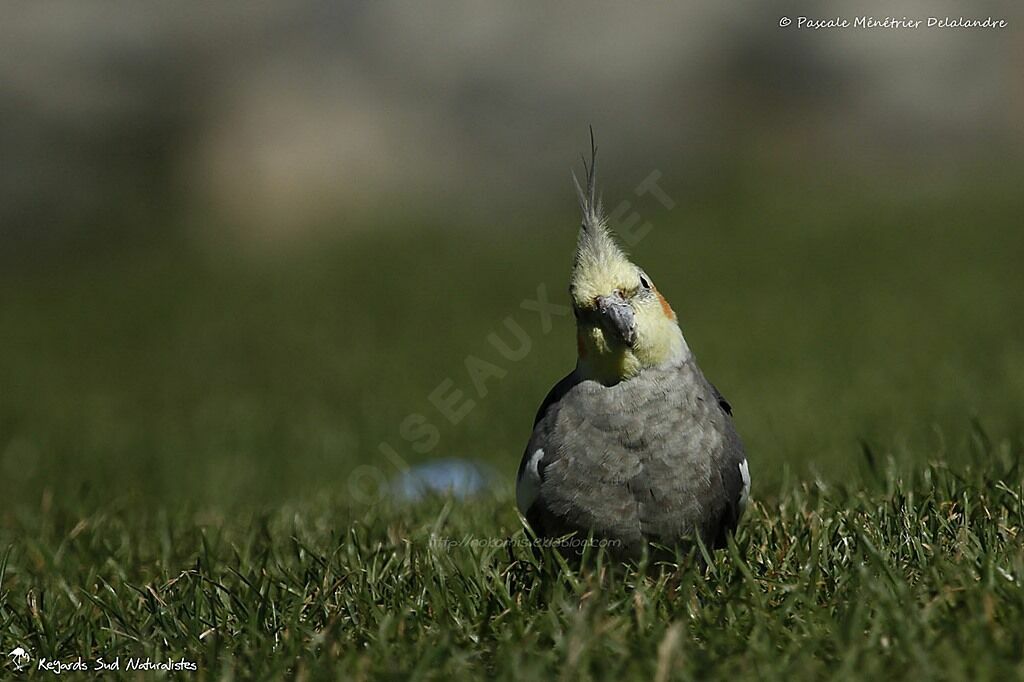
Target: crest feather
[(590, 203), (595, 245)]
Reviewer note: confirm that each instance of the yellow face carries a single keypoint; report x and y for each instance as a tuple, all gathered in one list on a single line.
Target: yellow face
[(623, 323)]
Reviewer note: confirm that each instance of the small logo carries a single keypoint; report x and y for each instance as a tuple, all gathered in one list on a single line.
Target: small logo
[(19, 658)]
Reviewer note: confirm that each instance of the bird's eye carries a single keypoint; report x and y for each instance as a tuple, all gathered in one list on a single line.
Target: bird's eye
[(644, 282)]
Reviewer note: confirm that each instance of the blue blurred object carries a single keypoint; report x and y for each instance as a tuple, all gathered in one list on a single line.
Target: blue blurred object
[(457, 477)]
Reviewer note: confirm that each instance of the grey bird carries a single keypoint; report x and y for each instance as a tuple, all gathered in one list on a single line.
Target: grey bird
[(635, 446)]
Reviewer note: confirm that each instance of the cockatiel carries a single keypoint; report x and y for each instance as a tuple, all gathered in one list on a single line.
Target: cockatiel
[(634, 446)]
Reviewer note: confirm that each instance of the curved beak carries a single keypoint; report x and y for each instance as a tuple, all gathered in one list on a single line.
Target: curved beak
[(617, 318)]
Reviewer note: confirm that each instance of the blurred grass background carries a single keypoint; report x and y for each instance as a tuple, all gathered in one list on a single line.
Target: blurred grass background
[(834, 314), (240, 245)]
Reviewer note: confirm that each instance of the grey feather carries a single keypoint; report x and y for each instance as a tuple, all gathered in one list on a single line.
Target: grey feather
[(590, 203), (652, 459)]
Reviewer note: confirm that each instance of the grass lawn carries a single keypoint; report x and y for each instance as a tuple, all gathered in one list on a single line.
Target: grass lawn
[(191, 442)]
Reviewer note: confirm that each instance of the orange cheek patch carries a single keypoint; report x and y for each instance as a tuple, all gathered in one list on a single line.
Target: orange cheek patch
[(665, 307)]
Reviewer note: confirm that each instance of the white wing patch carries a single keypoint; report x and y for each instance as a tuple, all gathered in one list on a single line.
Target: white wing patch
[(528, 484), (745, 493)]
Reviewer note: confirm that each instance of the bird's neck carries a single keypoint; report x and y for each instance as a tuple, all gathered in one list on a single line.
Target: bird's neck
[(611, 363)]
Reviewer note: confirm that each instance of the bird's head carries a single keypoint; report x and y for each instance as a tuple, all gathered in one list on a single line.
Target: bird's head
[(623, 323)]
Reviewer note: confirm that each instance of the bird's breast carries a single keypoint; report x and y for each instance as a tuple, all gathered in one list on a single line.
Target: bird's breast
[(659, 416)]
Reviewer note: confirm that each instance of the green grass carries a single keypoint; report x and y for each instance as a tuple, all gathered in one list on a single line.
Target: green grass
[(921, 579), (179, 430)]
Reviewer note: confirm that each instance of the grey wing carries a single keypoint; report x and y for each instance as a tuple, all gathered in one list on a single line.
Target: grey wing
[(722, 402), (695, 481), (576, 476), (731, 463), (540, 452)]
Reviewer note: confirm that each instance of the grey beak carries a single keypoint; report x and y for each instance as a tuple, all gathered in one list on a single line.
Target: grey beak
[(617, 317)]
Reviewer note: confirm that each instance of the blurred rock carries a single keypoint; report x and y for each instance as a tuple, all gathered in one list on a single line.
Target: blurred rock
[(457, 477)]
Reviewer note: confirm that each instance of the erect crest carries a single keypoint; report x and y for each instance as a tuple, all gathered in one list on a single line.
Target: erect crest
[(595, 245)]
